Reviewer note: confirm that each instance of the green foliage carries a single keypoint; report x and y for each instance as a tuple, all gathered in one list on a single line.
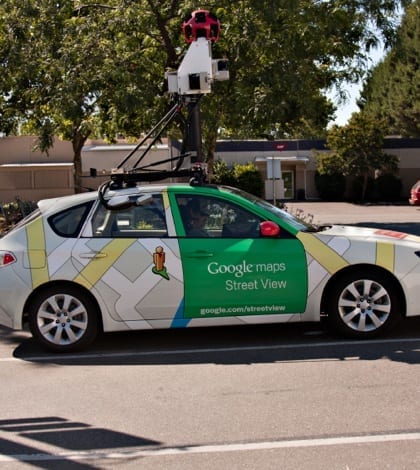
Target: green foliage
[(244, 176), (249, 178), (328, 164), (330, 186), (358, 149), (385, 188), (362, 189), (222, 174), (392, 91), (388, 187)]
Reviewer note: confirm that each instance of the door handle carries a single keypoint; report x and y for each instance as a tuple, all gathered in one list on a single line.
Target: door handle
[(93, 255)]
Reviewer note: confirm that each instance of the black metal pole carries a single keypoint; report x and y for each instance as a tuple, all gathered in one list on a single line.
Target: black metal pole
[(194, 146)]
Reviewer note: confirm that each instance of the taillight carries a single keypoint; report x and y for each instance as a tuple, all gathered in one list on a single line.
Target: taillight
[(6, 258)]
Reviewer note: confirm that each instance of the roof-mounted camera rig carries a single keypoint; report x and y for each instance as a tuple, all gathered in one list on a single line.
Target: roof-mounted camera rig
[(187, 85)]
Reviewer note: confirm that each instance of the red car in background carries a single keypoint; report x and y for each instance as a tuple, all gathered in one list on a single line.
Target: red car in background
[(415, 195)]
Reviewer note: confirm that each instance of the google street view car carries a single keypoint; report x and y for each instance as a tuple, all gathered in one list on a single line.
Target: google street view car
[(179, 255)]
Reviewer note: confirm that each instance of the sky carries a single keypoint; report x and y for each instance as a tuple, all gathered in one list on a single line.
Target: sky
[(345, 110)]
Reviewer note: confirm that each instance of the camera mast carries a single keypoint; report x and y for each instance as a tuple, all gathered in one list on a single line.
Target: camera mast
[(187, 85)]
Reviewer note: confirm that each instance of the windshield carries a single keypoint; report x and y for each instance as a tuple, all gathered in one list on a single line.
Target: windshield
[(290, 219)]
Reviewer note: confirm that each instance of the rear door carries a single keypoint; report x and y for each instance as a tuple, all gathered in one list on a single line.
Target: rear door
[(128, 258)]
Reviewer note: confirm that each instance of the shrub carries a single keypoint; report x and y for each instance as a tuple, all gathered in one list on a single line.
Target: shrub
[(222, 174), (388, 187), (12, 212), (357, 189), (249, 179), (330, 187), (243, 176)]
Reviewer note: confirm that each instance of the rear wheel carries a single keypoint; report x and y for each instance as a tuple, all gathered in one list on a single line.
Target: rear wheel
[(364, 305), (63, 318)]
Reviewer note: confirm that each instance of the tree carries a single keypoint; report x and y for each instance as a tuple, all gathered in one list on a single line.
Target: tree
[(78, 72), (283, 55), (392, 91), (357, 150), (85, 69)]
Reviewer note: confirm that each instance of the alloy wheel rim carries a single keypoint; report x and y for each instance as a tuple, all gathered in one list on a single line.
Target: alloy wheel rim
[(62, 319), (364, 305)]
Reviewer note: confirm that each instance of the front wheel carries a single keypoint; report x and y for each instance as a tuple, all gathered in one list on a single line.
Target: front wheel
[(364, 305), (63, 318)]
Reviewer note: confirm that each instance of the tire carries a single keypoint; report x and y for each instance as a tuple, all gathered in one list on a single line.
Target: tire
[(63, 318), (364, 305)]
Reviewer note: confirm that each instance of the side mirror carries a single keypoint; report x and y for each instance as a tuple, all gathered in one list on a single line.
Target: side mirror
[(269, 229)]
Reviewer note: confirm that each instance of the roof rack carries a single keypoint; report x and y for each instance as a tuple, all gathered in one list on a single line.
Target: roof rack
[(137, 172)]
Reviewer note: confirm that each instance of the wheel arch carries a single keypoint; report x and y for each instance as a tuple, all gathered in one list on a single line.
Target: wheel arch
[(62, 283), (360, 268)]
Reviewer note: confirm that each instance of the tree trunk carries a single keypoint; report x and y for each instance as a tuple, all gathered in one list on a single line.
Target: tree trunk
[(365, 184), (210, 146), (78, 143)]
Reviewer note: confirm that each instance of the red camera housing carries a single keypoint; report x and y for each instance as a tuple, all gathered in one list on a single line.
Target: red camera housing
[(201, 24)]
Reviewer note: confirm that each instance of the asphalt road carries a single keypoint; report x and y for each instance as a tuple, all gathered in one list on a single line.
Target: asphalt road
[(262, 397)]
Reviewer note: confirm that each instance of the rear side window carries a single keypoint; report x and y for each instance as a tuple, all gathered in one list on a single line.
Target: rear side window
[(145, 218), (68, 223)]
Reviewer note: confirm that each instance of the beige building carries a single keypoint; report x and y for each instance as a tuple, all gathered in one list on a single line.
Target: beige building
[(31, 175), (288, 166)]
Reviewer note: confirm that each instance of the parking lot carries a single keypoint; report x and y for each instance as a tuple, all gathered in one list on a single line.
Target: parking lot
[(403, 218)]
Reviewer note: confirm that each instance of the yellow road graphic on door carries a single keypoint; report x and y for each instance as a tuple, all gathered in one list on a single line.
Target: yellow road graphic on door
[(104, 259)]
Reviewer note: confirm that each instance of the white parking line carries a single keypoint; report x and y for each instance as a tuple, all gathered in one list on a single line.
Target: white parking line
[(174, 352), (218, 448)]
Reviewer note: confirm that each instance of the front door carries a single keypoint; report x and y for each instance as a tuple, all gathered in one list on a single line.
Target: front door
[(234, 271), (289, 186)]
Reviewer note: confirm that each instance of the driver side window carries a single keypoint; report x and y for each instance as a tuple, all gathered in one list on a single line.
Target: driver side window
[(205, 216)]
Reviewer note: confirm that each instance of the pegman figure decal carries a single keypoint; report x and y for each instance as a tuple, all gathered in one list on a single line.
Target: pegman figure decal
[(159, 263)]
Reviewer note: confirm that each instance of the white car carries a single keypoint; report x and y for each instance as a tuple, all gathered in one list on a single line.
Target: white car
[(128, 259)]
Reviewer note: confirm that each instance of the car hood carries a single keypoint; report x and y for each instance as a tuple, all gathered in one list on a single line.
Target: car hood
[(371, 234)]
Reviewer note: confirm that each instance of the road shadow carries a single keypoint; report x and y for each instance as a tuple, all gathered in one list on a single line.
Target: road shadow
[(233, 345), (68, 435), (12, 337)]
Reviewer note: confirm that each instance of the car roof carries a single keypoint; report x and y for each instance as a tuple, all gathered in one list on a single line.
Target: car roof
[(58, 204), (63, 202)]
